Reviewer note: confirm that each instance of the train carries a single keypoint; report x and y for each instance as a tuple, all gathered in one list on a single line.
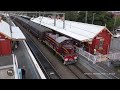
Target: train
[(62, 45)]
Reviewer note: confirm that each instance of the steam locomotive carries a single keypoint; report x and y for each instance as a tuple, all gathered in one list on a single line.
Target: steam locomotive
[(61, 44)]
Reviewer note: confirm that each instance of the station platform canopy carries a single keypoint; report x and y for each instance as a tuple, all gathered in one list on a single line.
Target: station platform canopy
[(11, 32), (80, 31)]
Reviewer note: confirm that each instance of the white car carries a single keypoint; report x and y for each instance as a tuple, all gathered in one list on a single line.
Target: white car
[(116, 35), (117, 30)]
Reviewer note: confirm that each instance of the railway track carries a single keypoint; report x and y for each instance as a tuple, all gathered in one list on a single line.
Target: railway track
[(44, 63), (99, 70), (79, 73)]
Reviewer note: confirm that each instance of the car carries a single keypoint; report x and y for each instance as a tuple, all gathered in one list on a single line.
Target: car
[(116, 35)]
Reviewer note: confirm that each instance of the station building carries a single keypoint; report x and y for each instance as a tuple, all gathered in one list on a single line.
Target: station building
[(8, 35), (91, 37)]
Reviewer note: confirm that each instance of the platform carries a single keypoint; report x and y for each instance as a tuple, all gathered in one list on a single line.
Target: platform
[(6, 60), (23, 55), (24, 59), (6, 63), (4, 74)]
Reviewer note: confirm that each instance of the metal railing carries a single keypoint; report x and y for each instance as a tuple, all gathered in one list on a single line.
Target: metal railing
[(15, 66), (114, 56), (98, 57), (86, 54)]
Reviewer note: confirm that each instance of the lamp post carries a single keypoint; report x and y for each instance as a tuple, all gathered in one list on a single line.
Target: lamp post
[(93, 17), (114, 25), (86, 17)]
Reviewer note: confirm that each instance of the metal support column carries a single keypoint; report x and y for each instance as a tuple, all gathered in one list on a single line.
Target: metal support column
[(54, 19), (63, 21)]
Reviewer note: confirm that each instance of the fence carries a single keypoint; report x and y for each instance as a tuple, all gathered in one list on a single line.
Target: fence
[(15, 66), (98, 57), (86, 54), (114, 56)]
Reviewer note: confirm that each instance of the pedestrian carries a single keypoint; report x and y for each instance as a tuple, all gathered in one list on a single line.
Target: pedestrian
[(17, 43), (95, 52), (16, 46), (23, 72)]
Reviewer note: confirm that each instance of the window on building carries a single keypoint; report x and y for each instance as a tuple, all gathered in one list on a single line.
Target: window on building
[(96, 46), (101, 43)]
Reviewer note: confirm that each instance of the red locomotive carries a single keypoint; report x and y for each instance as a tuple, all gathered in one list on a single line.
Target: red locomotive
[(63, 46)]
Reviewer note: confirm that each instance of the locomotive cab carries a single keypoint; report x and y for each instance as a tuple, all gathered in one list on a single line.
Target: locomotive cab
[(69, 52)]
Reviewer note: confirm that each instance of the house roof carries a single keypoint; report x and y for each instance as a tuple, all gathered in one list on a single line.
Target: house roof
[(12, 32), (5, 29), (76, 30), (17, 33)]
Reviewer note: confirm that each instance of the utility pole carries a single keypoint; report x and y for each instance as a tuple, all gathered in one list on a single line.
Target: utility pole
[(54, 19), (39, 13), (86, 16), (93, 17), (105, 24), (114, 25), (63, 21)]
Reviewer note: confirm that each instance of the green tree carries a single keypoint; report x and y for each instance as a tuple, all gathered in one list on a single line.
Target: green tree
[(71, 15), (100, 18), (117, 24)]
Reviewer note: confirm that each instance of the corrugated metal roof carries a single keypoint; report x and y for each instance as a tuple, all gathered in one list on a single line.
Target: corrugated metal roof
[(5, 28), (61, 39), (13, 33), (16, 33), (76, 30)]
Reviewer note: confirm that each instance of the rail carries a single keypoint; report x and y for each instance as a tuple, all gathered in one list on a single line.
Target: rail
[(78, 72)]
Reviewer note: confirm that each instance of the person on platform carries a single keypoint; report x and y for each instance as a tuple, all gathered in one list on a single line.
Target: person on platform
[(23, 72), (95, 52)]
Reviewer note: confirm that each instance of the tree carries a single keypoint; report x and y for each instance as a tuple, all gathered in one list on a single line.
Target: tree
[(71, 15), (100, 18), (117, 24)]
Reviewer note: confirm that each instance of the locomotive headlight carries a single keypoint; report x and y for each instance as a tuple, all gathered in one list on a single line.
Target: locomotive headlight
[(75, 57), (66, 59)]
